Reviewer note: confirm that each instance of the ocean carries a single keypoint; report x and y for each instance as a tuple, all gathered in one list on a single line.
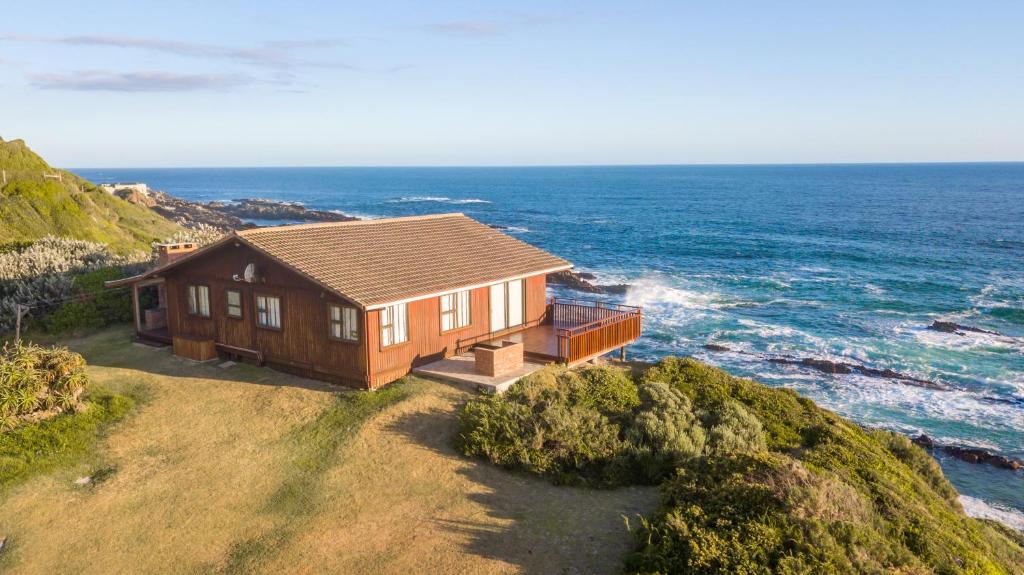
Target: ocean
[(841, 262)]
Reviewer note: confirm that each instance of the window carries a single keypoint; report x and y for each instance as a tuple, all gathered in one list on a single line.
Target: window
[(455, 310), (268, 311), (343, 322), (199, 300), (234, 303), (394, 326)]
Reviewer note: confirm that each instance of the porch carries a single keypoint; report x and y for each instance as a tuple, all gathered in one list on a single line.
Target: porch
[(571, 331)]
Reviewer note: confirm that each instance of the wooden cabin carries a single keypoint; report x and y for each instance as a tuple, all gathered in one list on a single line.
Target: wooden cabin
[(361, 303)]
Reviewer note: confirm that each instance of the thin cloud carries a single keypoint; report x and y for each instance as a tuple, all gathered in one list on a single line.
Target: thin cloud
[(463, 28), (107, 81), (275, 54)]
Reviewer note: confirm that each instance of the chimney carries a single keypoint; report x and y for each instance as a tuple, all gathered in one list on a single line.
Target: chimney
[(167, 253)]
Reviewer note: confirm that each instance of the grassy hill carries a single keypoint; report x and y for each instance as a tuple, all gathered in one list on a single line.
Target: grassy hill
[(34, 203)]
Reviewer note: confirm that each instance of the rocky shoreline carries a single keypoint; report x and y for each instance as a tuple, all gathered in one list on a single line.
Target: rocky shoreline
[(581, 281), (228, 216)]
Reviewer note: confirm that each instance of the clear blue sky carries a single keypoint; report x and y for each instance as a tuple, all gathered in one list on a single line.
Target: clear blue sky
[(249, 83)]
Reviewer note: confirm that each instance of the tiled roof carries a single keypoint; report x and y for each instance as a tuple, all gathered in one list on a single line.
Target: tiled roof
[(373, 262)]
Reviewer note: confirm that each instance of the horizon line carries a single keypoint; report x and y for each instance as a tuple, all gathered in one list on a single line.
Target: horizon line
[(526, 166)]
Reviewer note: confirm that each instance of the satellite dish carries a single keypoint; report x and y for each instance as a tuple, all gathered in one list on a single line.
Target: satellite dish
[(248, 276)]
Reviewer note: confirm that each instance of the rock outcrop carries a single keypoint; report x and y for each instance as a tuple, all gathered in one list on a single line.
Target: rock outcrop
[(839, 367), (969, 454), (580, 281), (952, 327)]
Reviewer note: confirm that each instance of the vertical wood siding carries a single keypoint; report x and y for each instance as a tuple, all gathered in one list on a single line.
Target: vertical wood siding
[(427, 343), (301, 345)]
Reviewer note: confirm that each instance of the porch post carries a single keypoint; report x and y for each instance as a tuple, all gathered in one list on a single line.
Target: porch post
[(135, 307)]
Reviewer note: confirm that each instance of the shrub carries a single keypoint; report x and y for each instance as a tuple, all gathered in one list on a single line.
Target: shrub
[(548, 423), (753, 479), (96, 305), (36, 379), (664, 432), (609, 390), (43, 274), (732, 429)]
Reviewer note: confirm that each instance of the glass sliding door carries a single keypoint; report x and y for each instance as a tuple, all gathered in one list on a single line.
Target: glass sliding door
[(508, 305)]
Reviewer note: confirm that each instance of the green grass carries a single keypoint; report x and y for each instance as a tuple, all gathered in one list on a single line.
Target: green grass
[(59, 442), (317, 447), (32, 207)]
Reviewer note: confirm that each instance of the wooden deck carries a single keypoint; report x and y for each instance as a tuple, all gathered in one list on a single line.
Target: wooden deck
[(575, 331)]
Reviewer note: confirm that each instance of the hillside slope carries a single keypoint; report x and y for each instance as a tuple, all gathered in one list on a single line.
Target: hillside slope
[(38, 200)]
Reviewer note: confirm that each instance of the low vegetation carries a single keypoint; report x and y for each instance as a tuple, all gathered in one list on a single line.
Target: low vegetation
[(38, 200), (37, 381), (753, 479), (45, 420)]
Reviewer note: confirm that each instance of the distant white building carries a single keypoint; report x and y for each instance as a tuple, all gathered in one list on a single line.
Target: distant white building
[(134, 186)]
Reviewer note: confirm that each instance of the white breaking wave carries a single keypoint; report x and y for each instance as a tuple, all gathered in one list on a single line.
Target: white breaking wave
[(651, 293), (975, 507), (438, 199), (516, 230)]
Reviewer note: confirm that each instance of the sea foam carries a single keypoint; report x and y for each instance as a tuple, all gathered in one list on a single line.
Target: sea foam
[(975, 507)]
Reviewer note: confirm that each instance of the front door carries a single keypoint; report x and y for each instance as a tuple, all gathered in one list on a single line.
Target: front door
[(508, 305)]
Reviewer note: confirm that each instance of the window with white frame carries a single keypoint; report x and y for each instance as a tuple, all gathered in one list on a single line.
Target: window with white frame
[(343, 322), (455, 310), (234, 301), (394, 324), (268, 311), (199, 300)]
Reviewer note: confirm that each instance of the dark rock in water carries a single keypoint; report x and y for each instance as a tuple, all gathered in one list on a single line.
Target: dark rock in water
[(826, 365), (924, 441), (975, 455), (951, 327), (577, 281), (715, 347), (842, 368), (969, 454), (586, 276)]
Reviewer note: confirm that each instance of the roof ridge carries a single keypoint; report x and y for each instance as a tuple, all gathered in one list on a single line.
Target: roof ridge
[(286, 227)]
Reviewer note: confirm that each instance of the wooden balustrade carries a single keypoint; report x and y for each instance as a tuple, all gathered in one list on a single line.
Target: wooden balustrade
[(610, 326)]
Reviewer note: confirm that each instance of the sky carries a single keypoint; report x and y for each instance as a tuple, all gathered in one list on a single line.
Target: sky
[(302, 83)]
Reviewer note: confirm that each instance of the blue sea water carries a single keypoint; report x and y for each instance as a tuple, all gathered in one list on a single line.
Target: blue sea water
[(845, 262)]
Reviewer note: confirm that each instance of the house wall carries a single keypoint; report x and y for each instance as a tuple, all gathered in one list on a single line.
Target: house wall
[(302, 345), (427, 343)]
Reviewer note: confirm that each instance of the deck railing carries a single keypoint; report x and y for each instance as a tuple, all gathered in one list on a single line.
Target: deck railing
[(587, 329), (584, 328)]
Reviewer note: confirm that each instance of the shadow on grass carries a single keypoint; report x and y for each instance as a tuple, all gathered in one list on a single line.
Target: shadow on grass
[(115, 348), (530, 523)]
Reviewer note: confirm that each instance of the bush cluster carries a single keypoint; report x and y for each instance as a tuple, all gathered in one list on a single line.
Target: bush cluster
[(596, 426), (47, 273), (37, 379), (754, 480), (62, 280)]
